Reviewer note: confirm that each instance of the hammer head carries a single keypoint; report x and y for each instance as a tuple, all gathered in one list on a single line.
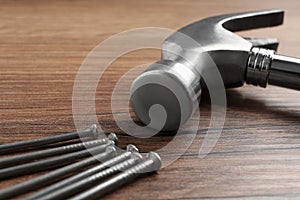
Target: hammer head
[(175, 83)]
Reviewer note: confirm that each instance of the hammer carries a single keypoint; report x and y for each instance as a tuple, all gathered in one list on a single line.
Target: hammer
[(239, 60)]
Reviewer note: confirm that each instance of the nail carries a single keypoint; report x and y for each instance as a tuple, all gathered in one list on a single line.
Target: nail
[(113, 137), (22, 145), (23, 158), (50, 163), (90, 181), (151, 164), (55, 175), (78, 177)]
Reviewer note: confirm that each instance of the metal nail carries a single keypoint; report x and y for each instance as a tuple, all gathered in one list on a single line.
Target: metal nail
[(50, 163), (56, 175), (23, 158), (78, 177), (90, 181), (152, 163), (113, 137), (17, 146)]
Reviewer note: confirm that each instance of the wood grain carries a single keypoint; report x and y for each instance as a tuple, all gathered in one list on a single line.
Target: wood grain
[(43, 43)]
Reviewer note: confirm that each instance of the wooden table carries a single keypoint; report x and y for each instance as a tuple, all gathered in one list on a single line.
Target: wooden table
[(42, 45)]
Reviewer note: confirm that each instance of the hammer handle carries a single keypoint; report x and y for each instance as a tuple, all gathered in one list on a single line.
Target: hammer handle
[(285, 72), (266, 67)]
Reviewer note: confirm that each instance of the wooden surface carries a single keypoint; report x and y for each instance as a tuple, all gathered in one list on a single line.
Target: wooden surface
[(43, 43)]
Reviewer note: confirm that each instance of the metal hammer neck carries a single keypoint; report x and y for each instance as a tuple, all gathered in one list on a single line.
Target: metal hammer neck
[(258, 66)]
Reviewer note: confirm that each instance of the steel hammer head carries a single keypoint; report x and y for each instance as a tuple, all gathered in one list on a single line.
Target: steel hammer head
[(174, 82)]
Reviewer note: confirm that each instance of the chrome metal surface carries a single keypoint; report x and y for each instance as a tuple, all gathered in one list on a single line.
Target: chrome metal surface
[(151, 164), (81, 176), (266, 67), (214, 37), (50, 163), (285, 72), (55, 175), (258, 69), (22, 145), (90, 181), (25, 158)]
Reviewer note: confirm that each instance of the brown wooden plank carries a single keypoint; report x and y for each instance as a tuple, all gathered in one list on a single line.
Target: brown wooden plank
[(42, 45)]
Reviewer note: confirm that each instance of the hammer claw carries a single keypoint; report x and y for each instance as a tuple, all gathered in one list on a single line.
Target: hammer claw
[(252, 20)]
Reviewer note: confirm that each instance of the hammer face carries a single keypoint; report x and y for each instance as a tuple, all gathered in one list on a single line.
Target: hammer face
[(169, 85)]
